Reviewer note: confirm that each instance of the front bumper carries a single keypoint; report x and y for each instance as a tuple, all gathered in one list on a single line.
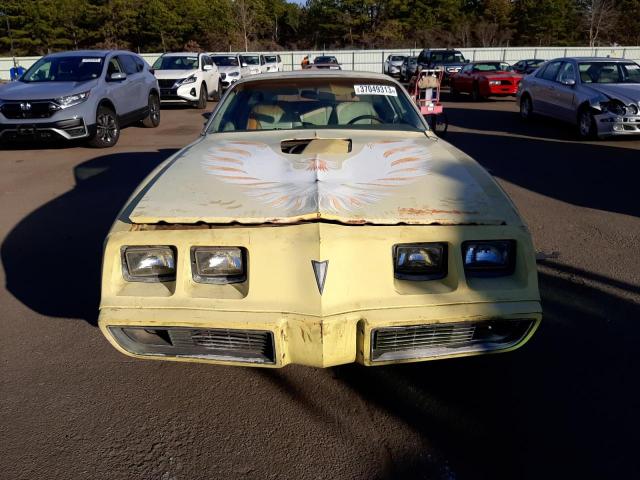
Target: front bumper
[(609, 124), (281, 296), (322, 341), (69, 129), (228, 81), (188, 93), (501, 90)]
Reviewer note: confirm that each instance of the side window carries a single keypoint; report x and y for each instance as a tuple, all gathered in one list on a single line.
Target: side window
[(129, 64), (113, 67), (551, 72), (139, 63), (567, 72)]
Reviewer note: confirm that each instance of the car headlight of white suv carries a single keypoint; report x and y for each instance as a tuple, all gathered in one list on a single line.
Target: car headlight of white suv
[(189, 79), (71, 100)]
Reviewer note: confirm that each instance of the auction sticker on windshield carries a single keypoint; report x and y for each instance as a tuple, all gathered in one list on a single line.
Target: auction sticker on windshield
[(91, 60), (388, 90)]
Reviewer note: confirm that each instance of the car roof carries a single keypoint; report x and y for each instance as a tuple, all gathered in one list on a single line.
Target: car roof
[(487, 61), (592, 59), (86, 53), (181, 54)]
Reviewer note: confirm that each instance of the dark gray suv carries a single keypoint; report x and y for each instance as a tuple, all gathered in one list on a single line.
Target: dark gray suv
[(80, 95)]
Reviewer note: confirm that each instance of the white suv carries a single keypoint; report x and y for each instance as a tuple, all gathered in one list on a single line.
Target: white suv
[(272, 63), (189, 77)]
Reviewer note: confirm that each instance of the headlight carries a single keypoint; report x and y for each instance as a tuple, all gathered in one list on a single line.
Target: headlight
[(234, 74), (420, 261), (489, 258), (189, 79), (494, 82), (148, 264), (218, 264), (71, 100), (614, 106)]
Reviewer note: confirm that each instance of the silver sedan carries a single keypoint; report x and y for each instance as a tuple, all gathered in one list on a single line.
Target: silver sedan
[(600, 96)]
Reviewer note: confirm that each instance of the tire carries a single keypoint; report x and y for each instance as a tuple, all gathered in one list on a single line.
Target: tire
[(586, 128), (453, 91), (218, 94), (475, 93), (152, 119), (107, 128), (201, 103), (526, 108), (439, 124)]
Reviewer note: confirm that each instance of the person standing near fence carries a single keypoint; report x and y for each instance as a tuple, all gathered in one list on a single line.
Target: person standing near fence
[(305, 62)]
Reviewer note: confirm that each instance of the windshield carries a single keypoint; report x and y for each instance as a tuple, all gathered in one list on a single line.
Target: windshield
[(413, 60), (270, 58), (397, 58), (609, 72), (447, 57), (325, 60), (491, 67), (225, 61), (313, 103), (250, 59), (64, 69), (176, 63)]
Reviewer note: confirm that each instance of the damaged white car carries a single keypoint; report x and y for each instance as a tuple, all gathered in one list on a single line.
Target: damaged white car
[(600, 96)]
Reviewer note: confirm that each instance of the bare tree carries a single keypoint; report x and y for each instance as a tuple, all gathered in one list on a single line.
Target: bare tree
[(599, 17), (246, 19)]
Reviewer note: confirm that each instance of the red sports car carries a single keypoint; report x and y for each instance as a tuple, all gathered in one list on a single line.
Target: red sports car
[(486, 79)]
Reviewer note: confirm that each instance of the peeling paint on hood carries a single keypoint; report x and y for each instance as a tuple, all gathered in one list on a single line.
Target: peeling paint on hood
[(386, 178)]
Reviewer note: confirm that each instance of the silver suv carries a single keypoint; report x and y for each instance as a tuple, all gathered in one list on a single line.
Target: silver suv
[(81, 94)]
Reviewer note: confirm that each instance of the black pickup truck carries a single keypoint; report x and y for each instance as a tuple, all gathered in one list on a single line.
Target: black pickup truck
[(451, 61)]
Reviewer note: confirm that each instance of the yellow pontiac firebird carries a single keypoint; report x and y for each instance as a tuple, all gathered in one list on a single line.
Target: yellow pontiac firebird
[(318, 221)]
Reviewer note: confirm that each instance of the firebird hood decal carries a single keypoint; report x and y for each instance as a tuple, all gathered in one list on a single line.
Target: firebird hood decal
[(386, 178), (303, 184)]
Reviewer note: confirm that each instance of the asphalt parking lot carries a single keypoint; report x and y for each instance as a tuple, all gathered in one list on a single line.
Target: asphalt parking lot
[(564, 406)]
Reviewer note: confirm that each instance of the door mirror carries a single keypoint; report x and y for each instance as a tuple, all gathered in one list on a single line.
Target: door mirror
[(466, 60), (569, 82), (117, 76), (206, 68)]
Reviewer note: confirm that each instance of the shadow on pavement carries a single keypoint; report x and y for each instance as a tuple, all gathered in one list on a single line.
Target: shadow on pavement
[(564, 406), (591, 175), (52, 258)]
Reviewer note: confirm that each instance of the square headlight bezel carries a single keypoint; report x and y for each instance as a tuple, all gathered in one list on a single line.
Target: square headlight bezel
[(147, 279), (436, 275), (221, 279), (489, 272)]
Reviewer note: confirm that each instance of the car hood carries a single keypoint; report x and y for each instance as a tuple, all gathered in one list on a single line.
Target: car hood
[(228, 69), (626, 92), (174, 74), (387, 178), (43, 90), (499, 74)]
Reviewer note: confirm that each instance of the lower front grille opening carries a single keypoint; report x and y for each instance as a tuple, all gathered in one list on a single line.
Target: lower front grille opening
[(441, 339), (235, 345)]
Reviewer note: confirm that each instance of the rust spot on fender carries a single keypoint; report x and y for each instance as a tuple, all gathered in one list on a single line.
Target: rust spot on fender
[(434, 211)]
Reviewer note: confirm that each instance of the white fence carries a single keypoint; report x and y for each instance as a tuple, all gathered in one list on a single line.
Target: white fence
[(371, 60)]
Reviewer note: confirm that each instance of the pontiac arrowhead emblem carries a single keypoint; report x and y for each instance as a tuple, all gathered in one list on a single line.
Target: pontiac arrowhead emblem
[(320, 271)]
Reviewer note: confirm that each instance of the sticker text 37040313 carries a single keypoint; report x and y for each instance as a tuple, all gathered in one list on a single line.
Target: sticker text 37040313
[(388, 90)]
